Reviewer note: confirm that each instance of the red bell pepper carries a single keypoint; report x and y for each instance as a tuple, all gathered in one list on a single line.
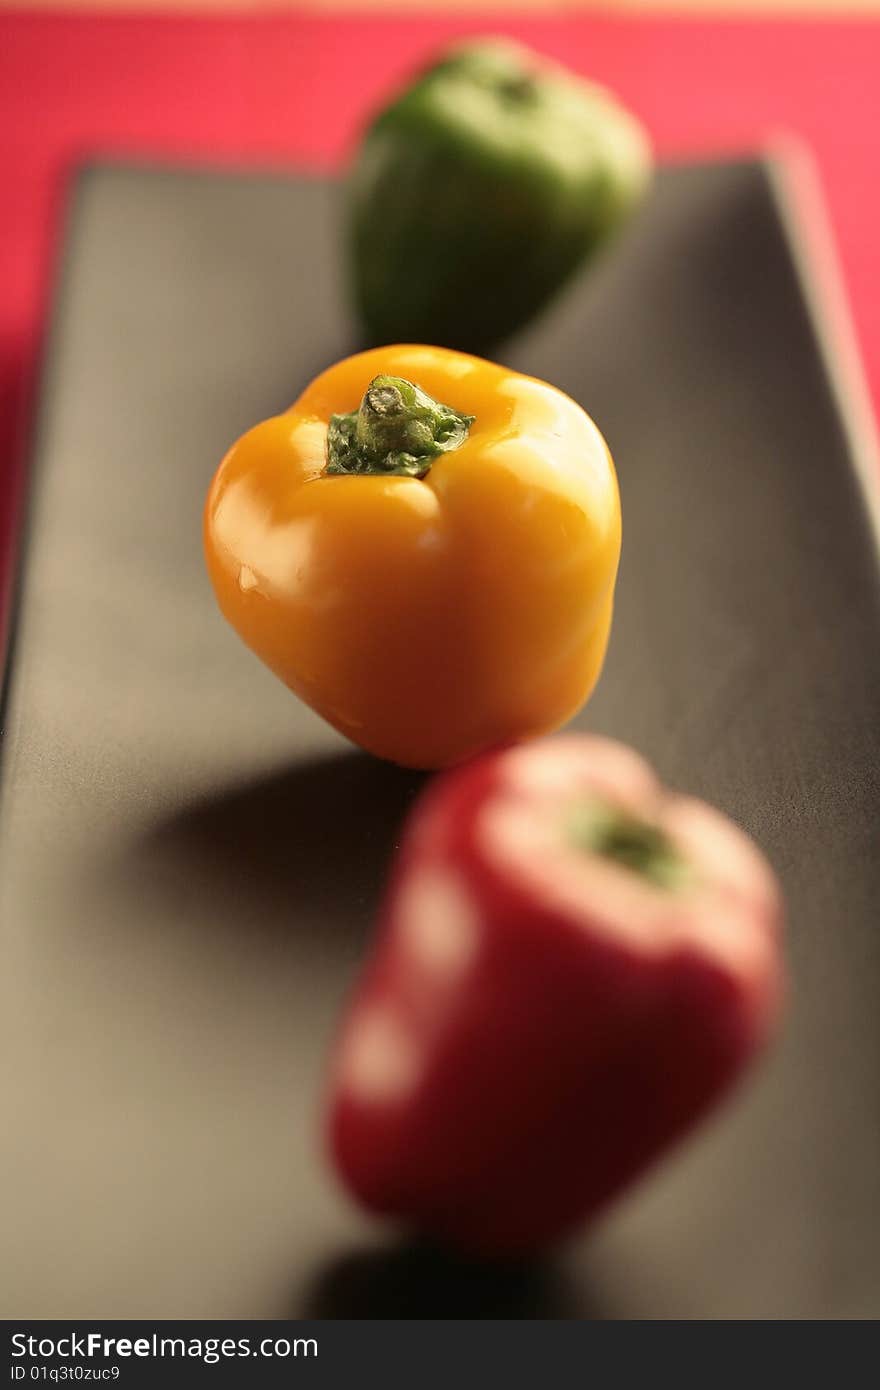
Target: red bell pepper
[(572, 965)]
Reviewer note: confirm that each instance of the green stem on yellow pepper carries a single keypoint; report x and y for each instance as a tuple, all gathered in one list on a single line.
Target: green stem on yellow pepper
[(398, 428)]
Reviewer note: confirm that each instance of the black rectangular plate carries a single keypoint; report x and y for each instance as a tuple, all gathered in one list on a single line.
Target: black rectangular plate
[(189, 858)]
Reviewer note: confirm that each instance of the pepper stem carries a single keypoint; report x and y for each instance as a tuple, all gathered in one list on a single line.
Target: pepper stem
[(598, 827), (398, 428)]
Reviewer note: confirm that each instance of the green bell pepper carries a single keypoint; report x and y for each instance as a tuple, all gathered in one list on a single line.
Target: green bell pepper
[(480, 190)]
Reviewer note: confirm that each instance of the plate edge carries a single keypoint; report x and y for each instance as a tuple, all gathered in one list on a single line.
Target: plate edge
[(796, 187)]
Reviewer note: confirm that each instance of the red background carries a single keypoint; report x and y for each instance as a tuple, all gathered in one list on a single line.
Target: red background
[(291, 90)]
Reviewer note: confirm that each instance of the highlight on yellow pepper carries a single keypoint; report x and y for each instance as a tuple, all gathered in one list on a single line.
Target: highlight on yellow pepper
[(424, 549)]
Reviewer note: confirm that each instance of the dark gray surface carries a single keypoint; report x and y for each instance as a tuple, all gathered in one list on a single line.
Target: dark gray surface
[(188, 857)]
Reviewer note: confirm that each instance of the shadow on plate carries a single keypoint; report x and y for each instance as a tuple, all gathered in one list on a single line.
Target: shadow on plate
[(415, 1280), (305, 847)]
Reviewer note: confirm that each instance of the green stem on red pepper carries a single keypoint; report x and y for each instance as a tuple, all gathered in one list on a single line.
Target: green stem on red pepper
[(398, 429), (638, 845)]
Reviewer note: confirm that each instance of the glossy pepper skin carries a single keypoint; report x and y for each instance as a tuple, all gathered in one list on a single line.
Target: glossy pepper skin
[(573, 965), (480, 189), (462, 599)]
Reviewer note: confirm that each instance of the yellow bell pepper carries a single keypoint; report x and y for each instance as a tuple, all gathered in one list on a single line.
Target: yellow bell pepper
[(424, 549)]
